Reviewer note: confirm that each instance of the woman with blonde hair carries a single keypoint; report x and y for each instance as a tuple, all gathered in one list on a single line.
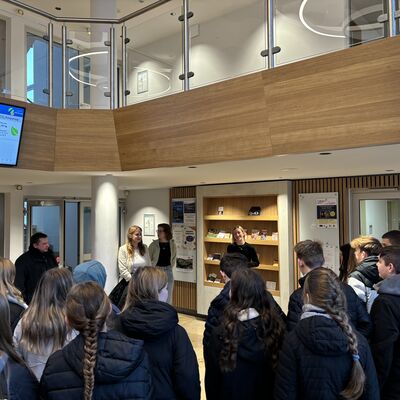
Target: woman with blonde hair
[(112, 366), (239, 245), (14, 296), (42, 329), (148, 317), (323, 357)]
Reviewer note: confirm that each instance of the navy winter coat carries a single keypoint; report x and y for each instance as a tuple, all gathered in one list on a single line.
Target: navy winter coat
[(315, 363), (121, 372), (356, 309), (172, 358)]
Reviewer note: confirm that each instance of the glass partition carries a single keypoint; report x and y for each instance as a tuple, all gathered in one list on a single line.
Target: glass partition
[(154, 54), (308, 28), (226, 39)]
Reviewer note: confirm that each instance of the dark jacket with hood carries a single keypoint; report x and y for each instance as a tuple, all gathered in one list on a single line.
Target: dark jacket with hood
[(30, 267), (356, 309), (385, 339), (253, 377), (173, 360), (122, 370), (16, 310), (17, 382), (315, 363)]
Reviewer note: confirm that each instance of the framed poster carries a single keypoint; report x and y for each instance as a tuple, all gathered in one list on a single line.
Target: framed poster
[(142, 81), (149, 225)]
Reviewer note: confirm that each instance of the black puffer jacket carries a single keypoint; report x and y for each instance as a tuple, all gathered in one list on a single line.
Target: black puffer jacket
[(29, 269), (253, 377), (173, 360), (121, 371), (16, 310), (385, 339), (356, 309), (315, 363)]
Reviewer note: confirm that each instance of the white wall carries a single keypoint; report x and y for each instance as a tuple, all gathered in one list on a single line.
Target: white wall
[(140, 202), (374, 217)]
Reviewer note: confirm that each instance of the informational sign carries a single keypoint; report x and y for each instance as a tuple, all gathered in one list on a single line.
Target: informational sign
[(184, 233), (327, 213)]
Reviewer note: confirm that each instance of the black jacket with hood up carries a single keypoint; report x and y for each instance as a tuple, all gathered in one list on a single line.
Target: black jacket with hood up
[(173, 360), (356, 309), (315, 363), (253, 377), (385, 339), (122, 370)]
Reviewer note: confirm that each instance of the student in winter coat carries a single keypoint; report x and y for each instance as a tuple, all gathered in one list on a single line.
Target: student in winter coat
[(385, 314), (17, 382), (365, 276), (239, 245), (148, 317), (14, 296), (31, 265), (244, 349), (42, 329), (323, 358), (310, 256), (97, 364)]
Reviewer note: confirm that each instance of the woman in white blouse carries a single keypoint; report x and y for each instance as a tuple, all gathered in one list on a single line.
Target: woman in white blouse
[(133, 254)]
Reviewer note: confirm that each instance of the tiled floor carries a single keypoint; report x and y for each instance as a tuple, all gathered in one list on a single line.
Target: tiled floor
[(195, 328)]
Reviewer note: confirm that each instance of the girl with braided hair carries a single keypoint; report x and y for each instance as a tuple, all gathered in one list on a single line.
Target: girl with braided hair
[(243, 350), (324, 358), (112, 366)]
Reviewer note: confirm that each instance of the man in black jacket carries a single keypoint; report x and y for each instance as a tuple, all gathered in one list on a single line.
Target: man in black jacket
[(310, 255), (385, 315), (31, 265)]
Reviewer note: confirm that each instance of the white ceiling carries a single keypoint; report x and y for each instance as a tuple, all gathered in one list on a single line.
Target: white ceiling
[(361, 161)]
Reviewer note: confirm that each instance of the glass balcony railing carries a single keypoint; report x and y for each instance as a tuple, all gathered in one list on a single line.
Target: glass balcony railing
[(163, 47)]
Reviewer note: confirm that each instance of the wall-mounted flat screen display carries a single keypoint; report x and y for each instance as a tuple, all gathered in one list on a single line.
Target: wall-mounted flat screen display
[(11, 124)]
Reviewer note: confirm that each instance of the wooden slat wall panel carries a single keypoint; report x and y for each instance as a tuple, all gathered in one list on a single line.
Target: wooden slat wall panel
[(342, 186), (185, 293)]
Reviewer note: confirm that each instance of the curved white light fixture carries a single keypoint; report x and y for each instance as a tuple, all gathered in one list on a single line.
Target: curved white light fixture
[(303, 21), (93, 53)]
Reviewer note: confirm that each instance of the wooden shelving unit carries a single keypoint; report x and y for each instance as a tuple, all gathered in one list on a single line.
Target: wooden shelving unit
[(235, 213)]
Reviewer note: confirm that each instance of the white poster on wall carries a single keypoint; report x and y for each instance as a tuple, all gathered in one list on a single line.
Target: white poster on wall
[(318, 220), (184, 233)]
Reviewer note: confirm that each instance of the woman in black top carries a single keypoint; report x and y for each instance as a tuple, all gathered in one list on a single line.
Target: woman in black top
[(239, 245)]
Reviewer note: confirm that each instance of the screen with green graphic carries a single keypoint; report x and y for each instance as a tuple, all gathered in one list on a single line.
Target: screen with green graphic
[(11, 124)]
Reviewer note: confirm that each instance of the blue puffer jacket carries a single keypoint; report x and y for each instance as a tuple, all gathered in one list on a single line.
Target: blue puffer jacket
[(121, 371)]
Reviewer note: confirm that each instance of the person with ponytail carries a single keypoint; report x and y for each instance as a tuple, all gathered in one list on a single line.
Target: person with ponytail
[(147, 316), (323, 357), (243, 350), (17, 382), (42, 329), (7, 289), (98, 364)]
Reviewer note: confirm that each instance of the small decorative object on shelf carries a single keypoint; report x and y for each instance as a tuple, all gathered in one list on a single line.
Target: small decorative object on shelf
[(220, 210), (255, 210), (254, 234), (270, 285), (212, 233), (263, 234), (212, 277), (275, 236)]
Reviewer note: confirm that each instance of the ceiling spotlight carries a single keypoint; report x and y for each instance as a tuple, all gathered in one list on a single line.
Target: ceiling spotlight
[(192, 166), (20, 11), (58, 8), (389, 170), (325, 153)]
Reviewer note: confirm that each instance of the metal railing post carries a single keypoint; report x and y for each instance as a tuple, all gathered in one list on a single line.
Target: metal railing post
[(392, 15), (271, 33), (113, 67), (50, 63), (125, 41), (64, 67)]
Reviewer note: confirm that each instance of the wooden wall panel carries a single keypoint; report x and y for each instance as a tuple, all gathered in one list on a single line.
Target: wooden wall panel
[(185, 293), (86, 141), (38, 136), (342, 186)]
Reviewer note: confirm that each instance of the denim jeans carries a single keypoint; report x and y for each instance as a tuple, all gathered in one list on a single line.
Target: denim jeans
[(170, 285)]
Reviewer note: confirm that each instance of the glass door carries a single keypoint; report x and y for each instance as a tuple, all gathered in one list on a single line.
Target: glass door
[(375, 212), (85, 231), (47, 216)]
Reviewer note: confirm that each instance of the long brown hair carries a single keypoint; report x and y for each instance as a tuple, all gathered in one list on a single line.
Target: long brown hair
[(129, 246), (146, 284), (167, 230), (323, 289), (87, 309), (44, 319), (248, 291), (7, 277)]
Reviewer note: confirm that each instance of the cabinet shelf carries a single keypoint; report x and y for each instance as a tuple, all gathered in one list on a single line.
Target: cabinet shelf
[(275, 293), (241, 218), (249, 241), (262, 267)]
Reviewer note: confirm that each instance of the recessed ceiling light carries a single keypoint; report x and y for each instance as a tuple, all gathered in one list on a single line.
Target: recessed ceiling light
[(28, 183), (58, 8), (288, 169), (325, 153), (281, 155), (172, 14), (192, 166), (389, 170)]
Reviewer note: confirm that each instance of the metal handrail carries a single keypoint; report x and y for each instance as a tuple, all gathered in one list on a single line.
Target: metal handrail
[(52, 17)]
